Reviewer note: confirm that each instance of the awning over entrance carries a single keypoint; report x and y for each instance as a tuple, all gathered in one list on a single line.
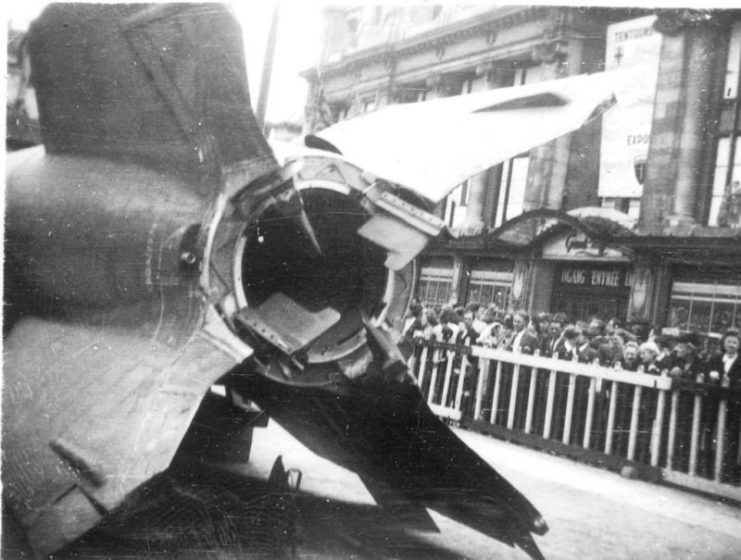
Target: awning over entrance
[(600, 225)]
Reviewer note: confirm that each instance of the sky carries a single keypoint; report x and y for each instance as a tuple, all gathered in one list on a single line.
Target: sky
[(297, 48)]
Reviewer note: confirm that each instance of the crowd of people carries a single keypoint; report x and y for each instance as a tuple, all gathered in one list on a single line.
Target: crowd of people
[(635, 346)]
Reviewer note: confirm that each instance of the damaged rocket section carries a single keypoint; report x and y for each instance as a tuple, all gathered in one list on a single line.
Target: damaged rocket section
[(327, 369), (385, 432), (159, 243)]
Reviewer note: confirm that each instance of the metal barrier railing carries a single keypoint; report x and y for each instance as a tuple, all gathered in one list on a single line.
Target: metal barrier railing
[(684, 432)]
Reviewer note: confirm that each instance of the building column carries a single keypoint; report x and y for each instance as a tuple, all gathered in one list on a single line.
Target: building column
[(684, 97), (546, 182), (458, 278), (642, 289), (541, 286), (662, 285), (521, 281), (698, 76)]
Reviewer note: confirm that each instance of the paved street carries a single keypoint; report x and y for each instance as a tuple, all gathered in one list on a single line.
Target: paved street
[(591, 514)]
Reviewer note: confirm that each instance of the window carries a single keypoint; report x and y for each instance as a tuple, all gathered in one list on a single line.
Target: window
[(709, 307), (467, 86), (368, 104), (724, 208), (464, 193), (456, 205), (721, 189), (512, 189), (734, 61), (352, 21), (435, 285), (486, 287), (339, 111), (513, 180), (410, 93)]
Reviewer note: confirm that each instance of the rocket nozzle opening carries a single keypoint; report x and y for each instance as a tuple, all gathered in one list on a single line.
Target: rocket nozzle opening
[(348, 276)]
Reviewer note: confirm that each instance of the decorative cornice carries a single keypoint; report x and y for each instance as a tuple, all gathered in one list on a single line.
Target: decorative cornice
[(482, 25), (674, 22)]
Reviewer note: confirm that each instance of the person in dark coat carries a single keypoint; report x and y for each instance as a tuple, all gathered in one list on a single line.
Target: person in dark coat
[(523, 340), (648, 351), (728, 364), (467, 333), (552, 337), (686, 364), (567, 347), (686, 367), (665, 359), (726, 368)]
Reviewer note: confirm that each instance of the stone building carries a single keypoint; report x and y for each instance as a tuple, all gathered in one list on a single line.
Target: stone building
[(634, 216), (21, 113)]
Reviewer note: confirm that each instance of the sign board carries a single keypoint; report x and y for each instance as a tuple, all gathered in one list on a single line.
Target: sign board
[(574, 275), (576, 246), (634, 47)]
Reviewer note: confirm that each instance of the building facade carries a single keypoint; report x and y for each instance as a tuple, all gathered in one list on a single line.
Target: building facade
[(634, 216), (21, 112)]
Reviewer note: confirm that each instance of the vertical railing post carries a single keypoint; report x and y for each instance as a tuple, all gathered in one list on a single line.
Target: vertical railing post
[(611, 418), (695, 436), (634, 415), (720, 448), (590, 413), (433, 375), (721, 423), (497, 388), (448, 376), (461, 380), (569, 409), (483, 370), (422, 366), (531, 400), (658, 427), (513, 397), (549, 404), (672, 430), (569, 414)]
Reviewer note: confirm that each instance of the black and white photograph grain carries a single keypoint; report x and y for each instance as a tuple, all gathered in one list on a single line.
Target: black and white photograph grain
[(418, 280)]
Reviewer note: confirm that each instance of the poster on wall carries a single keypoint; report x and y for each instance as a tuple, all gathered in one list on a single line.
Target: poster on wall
[(632, 46)]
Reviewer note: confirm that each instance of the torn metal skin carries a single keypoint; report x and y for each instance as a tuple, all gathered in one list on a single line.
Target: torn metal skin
[(156, 247)]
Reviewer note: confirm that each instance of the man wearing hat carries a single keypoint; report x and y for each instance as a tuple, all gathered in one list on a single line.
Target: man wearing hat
[(686, 366), (726, 368), (666, 357), (686, 363)]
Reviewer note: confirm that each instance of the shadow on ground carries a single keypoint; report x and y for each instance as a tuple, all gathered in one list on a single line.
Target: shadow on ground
[(195, 512)]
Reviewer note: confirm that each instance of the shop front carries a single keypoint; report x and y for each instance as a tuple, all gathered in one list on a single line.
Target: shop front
[(704, 299), (589, 278), (435, 286), (489, 282), (585, 290)]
